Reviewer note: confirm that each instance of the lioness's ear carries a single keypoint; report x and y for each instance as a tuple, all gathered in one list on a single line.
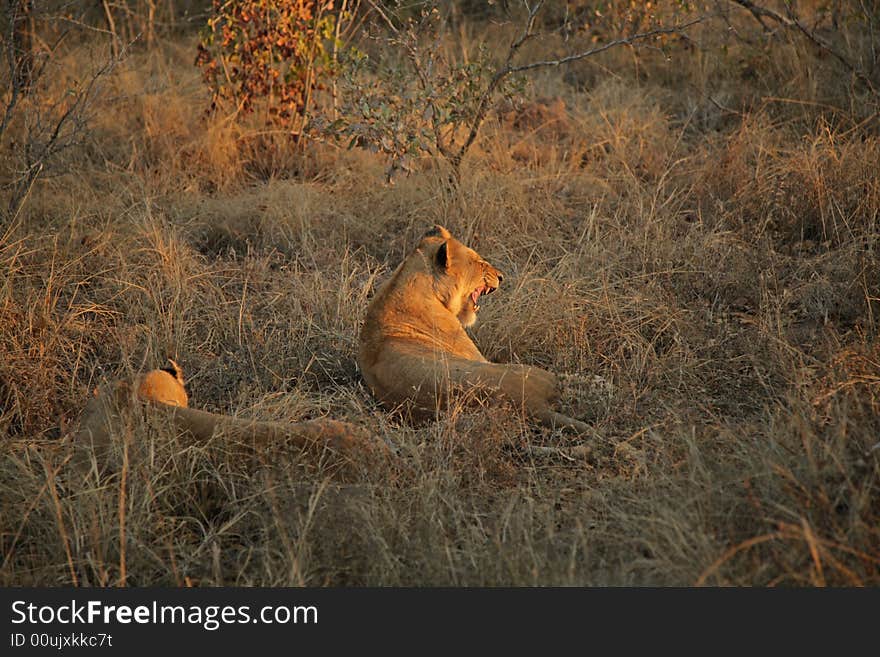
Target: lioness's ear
[(438, 231), (174, 370), (443, 256)]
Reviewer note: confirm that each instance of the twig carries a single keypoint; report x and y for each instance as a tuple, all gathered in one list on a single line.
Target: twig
[(13, 62), (111, 26), (500, 74)]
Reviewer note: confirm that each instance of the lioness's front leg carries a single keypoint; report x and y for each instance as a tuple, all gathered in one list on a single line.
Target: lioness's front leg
[(532, 388), (428, 381)]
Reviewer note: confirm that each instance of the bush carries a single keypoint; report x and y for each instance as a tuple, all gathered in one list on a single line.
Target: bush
[(270, 55)]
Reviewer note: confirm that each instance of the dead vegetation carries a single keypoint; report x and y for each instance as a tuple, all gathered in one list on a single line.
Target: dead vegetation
[(695, 243)]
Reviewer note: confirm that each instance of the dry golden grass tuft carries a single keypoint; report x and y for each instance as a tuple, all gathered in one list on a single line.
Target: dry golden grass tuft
[(695, 246)]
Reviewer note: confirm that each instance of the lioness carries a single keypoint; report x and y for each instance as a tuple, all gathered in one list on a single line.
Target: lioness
[(163, 392), (413, 345)]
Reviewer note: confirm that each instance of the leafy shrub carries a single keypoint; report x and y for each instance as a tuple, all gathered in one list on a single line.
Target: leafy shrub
[(270, 55)]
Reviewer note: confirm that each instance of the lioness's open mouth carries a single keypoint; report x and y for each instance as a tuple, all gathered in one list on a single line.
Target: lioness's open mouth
[(480, 291)]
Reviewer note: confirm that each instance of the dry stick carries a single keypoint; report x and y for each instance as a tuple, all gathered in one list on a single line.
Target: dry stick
[(760, 12), (14, 61), (151, 22), (870, 19), (812, 36), (358, 18), (384, 16), (337, 36), (22, 35), (617, 42), (500, 74), (14, 91)]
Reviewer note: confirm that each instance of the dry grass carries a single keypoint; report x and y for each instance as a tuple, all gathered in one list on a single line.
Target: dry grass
[(705, 270)]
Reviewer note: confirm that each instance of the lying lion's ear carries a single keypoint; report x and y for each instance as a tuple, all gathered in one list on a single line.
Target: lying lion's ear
[(174, 370), (443, 256), (438, 231)]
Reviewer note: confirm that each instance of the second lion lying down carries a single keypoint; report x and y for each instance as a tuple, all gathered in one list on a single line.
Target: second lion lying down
[(414, 349), (162, 392)]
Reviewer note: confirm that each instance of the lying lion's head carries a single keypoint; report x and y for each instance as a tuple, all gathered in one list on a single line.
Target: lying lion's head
[(461, 276), (164, 385)]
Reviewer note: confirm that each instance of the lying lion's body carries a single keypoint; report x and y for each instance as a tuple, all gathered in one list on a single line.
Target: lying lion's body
[(162, 393), (414, 349)]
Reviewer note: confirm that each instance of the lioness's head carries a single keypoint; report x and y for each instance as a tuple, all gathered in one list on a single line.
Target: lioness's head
[(164, 385), (461, 276)]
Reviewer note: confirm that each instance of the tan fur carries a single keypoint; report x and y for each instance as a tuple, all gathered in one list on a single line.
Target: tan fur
[(413, 346), (158, 392), (165, 386)]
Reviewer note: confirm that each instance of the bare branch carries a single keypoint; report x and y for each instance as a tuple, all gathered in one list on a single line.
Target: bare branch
[(45, 142), (379, 10), (509, 68), (824, 45), (424, 79), (626, 41), (792, 21), (762, 12), (15, 60), (452, 133)]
